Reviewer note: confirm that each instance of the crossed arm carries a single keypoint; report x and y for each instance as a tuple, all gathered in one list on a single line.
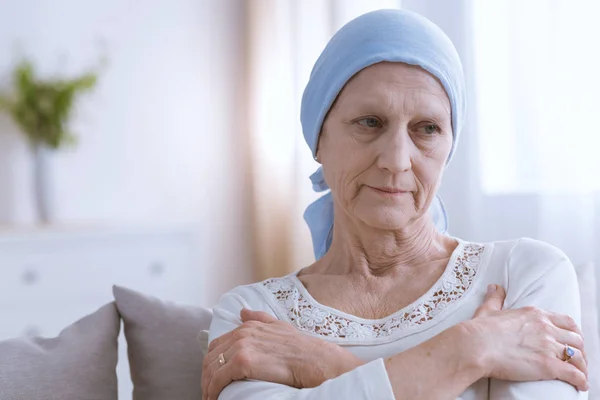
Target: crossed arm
[(520, 349)]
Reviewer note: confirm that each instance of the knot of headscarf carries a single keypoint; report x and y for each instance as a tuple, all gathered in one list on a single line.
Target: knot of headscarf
[(378, 36)]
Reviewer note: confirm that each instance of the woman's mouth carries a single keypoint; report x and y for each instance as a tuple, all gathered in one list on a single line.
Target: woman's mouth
[(388, 191)]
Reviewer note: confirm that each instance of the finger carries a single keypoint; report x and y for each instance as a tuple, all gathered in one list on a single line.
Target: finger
[(222, 377), (565, 322), (232, 334), (228, 349), (579, 362), (211, 361), (572, 375), (571, 338), (208, 367), (568, 323), (494, 300), (216, 342), (206, 372), (577, 359), (260, 316)]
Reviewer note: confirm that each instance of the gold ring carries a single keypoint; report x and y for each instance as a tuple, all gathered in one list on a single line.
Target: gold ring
[(221, 360), (568, 353)]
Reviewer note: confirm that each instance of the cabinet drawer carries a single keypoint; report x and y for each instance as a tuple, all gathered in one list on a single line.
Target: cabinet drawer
[(44, 319), (76, 273)]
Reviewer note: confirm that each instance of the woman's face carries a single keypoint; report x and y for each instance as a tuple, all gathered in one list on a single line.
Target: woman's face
[(384, 144)]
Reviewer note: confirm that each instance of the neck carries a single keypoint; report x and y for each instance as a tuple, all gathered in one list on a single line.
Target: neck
[(376, 252)]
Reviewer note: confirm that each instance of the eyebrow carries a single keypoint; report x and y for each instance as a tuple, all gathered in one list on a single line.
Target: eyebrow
[(440, 111), (366, 104)]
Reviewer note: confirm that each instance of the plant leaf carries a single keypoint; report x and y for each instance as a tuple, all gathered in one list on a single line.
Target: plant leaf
[(43, 108)]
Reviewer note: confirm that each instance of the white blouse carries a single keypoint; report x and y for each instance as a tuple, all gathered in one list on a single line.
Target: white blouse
[(532, 272)]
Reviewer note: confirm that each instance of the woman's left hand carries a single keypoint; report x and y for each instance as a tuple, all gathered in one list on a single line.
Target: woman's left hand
[(267, 349)]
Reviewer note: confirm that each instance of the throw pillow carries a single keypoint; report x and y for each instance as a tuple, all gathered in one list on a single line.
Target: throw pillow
[(78, 364), (165, 357)]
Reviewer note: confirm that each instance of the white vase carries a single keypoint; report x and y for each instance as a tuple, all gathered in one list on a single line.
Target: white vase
[(42, 185)]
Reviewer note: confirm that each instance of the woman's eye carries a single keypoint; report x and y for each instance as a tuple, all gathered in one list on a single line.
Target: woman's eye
[(369, 122), (429, 129)]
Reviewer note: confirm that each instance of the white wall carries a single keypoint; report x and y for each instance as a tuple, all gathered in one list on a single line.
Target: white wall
[(156, 135)]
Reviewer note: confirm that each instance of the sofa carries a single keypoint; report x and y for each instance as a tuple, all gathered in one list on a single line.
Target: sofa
[(163, 347), (166, 343)]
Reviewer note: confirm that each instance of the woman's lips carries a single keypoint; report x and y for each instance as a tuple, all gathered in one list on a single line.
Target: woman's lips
[(388, 191)]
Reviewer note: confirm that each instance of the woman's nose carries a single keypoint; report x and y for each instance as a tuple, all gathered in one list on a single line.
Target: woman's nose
[(395, 151)]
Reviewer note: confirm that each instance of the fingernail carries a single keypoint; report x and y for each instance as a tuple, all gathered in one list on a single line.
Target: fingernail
[(491, 289)]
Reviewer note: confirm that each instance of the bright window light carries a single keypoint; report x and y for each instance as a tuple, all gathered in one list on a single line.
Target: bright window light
[(537, 66)]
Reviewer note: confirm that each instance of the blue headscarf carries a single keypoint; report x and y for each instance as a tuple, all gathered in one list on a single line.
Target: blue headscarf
[(383, 35)]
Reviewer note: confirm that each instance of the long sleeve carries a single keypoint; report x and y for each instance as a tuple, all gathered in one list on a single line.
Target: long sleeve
[(369, 381), (542, 276)]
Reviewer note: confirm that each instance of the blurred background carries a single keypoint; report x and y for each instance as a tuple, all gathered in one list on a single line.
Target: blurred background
[(189, 173)]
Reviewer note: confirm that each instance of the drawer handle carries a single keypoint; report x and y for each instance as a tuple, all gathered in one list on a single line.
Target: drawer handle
[(30, 277), (157, 268)]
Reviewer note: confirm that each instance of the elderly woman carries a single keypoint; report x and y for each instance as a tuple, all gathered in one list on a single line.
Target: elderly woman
[(393, 308)]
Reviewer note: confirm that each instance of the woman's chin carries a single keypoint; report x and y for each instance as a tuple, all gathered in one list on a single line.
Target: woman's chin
[(386, 220)]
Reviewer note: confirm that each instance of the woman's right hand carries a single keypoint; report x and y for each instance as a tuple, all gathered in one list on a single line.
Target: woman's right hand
[(526, 344)]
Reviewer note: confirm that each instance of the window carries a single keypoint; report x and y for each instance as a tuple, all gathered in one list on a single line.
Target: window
[(537, 66)]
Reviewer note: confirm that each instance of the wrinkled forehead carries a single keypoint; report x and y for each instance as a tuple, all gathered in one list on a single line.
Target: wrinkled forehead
[(387, 83)]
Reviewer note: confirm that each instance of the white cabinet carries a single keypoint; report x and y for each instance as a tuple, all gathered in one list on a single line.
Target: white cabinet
[(51, 277)]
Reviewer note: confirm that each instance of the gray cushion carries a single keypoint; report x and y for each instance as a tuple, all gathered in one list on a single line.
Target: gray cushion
[(588, 287), (165, 356), (78, 364)]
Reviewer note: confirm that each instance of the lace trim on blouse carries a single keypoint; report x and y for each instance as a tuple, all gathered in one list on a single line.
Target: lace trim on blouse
[(309, 316)]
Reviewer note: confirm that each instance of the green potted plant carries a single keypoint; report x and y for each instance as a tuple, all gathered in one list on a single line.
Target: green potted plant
[(42, 109)]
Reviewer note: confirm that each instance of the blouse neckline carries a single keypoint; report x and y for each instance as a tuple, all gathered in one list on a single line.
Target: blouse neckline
[(447, 270), (293, 303)]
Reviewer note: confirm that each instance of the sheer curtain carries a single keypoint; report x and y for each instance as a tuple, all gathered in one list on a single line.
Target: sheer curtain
[(536, 67), (284, 39)]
